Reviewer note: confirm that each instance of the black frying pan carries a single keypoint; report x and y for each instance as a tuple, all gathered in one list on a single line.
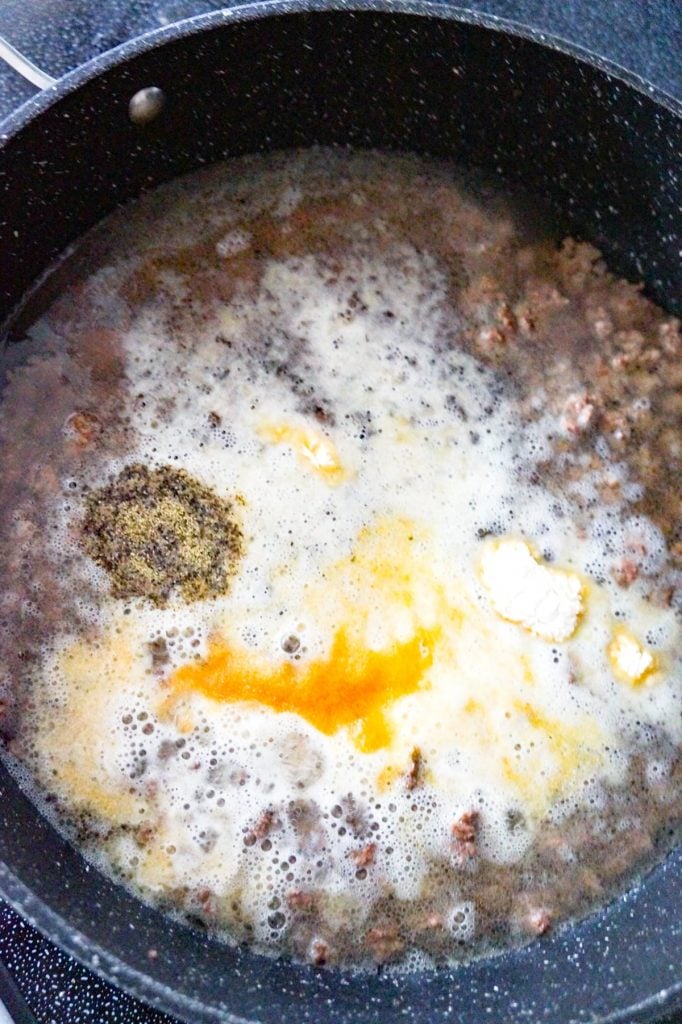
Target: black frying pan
[(605, 149)]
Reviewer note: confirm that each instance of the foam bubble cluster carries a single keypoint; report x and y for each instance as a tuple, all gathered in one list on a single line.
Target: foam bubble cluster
[(326, 397)]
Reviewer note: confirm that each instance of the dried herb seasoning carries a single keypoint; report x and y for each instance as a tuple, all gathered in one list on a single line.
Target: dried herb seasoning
[(156, 531)]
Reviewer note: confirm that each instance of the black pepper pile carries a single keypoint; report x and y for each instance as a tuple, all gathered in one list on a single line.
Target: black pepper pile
[(156, 531)]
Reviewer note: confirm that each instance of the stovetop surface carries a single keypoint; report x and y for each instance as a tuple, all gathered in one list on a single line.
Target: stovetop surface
[(643, 35)]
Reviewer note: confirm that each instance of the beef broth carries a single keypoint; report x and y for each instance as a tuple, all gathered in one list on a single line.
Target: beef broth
[(341, 547)]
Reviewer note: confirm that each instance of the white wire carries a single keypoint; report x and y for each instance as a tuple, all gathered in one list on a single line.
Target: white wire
[(28, 70)]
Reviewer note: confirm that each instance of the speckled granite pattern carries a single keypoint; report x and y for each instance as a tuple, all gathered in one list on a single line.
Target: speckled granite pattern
[(642, 35), (646, 37), (57, 989)]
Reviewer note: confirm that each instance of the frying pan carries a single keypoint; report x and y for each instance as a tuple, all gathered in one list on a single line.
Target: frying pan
[(604, 149)]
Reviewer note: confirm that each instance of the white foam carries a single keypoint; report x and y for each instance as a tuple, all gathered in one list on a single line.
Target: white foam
[(426, 437)]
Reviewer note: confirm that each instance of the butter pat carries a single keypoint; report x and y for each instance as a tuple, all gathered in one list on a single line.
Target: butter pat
[(522, 590), (311, 447), (629, 659)]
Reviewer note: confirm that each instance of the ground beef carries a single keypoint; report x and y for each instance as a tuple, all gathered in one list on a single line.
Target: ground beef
[(554, 321)]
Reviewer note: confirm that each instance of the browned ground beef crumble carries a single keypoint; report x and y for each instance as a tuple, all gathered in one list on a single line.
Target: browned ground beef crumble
[(549, 317)]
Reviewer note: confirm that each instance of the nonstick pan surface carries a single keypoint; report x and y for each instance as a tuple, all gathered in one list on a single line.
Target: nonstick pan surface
[(605, 150)]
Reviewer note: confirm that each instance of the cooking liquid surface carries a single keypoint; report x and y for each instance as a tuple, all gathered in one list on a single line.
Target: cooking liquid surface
[(367, 646)]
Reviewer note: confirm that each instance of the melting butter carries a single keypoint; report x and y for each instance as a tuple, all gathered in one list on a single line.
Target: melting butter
[(544, 600), (630, 660), (313, 449)]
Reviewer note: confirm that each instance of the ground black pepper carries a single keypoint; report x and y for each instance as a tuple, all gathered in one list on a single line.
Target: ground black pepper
[(159, 530)]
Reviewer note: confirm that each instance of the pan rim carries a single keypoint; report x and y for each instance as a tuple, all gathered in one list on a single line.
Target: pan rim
[(249, 11), (140, 985)]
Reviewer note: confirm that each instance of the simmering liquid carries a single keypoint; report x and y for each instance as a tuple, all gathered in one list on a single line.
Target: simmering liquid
[(340, 578)]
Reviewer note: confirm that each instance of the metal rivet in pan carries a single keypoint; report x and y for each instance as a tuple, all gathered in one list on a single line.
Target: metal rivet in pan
[(146, 105)]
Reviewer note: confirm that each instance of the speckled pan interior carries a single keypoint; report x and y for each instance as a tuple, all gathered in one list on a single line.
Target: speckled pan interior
[(606, 151)]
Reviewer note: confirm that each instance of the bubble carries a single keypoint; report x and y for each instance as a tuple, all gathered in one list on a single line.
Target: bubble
[(298, 339), (290, 643)]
